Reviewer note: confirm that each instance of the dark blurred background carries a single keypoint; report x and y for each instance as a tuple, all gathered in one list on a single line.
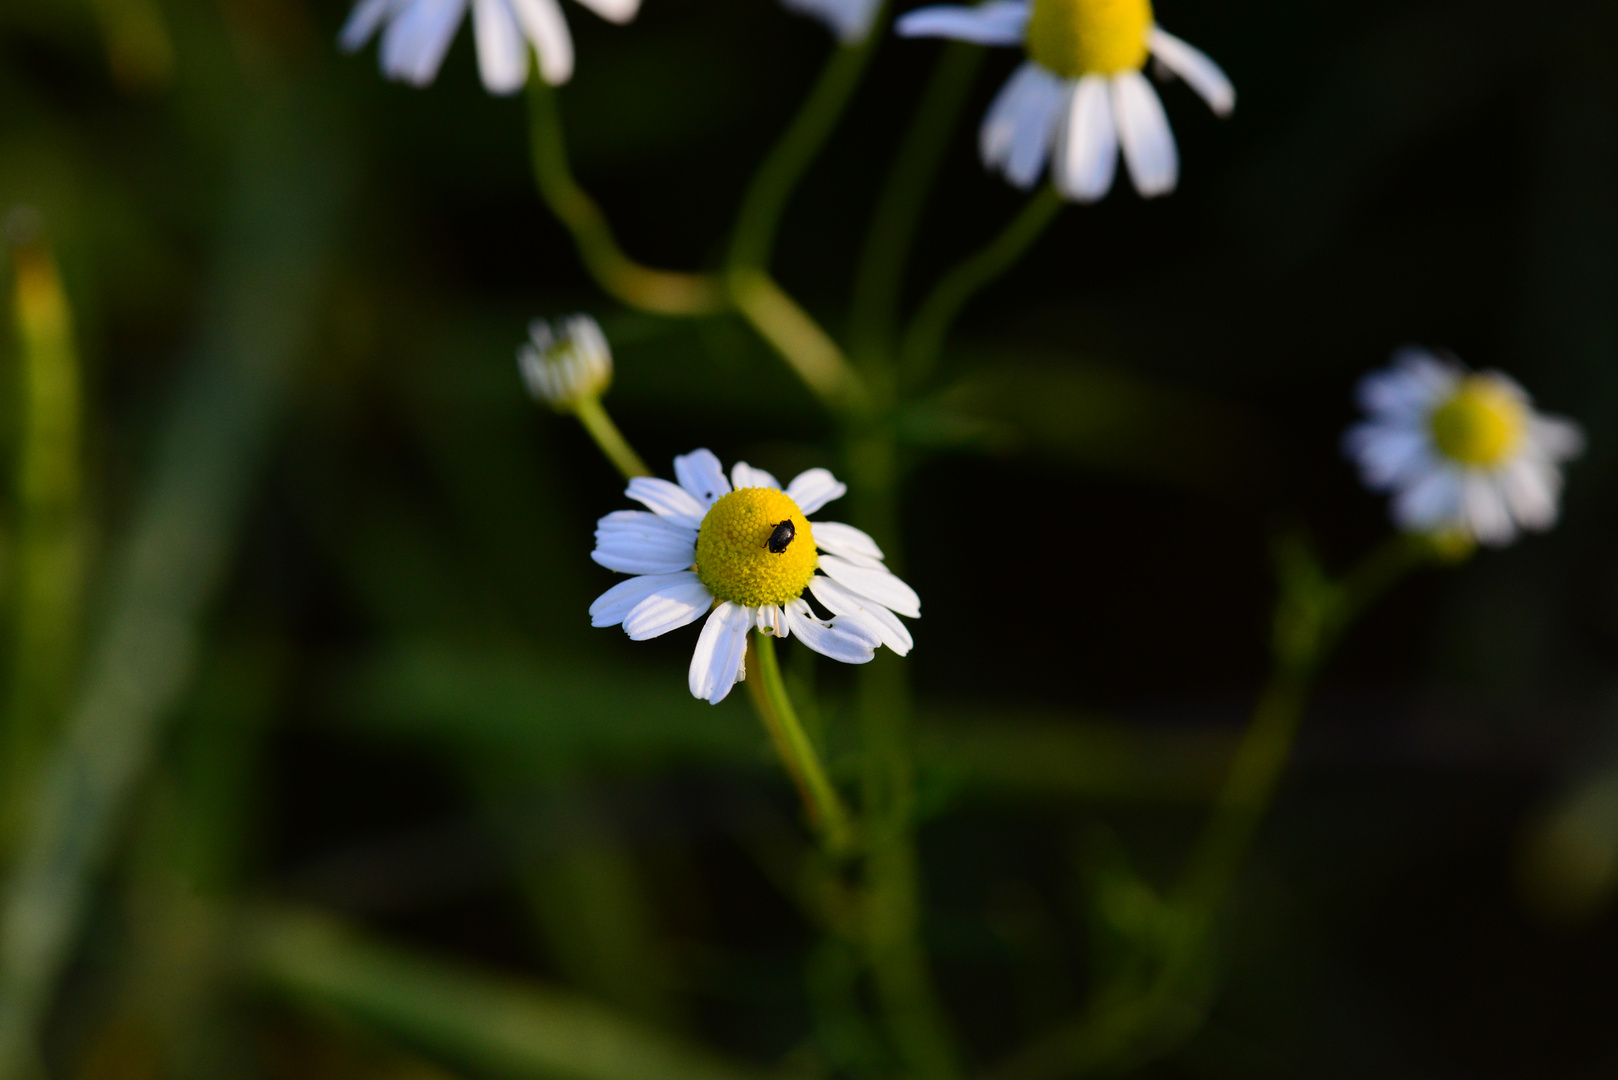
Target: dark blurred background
[(397, 713)]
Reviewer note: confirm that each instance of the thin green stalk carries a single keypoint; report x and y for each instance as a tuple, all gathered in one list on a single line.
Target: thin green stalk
[(593, 415), (49, 560), (879, 279), (759, 218), (802, 761), (924, 340), (800, 341), (662, 292)]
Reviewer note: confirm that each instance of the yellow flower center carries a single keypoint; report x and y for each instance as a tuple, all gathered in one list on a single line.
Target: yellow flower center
[(1481, 425), (736, 559), (1089, 37)]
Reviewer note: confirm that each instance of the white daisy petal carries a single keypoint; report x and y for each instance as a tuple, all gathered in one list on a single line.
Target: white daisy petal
[(997, 22), (720, 653), (770, 621), (1193, 65), (743, 475), (1530, 489), (414, 44), (853, 544), (635, 542), (363, 22), (669, 501), (1556, 438), (1388, 455), (502, 50), (879, 585), (814, 488), (670, 607), (1085, 158), (850, 20), (1483, 505), (700, 473), (849, 641), (611, 606), (1431, 504), (1021, 124), (844, 603), (1143, 132), (618, 11), (546, 27)]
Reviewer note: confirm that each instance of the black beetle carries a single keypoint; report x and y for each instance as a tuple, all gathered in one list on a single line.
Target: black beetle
[(781, 537)]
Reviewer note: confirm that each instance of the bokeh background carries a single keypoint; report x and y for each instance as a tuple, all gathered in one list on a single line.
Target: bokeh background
[(349, 558)]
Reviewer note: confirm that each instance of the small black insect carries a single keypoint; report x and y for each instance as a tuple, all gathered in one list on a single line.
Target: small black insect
[(781, 537)]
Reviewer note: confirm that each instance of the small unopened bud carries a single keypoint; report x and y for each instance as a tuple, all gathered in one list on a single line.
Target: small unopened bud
[(565, 366)]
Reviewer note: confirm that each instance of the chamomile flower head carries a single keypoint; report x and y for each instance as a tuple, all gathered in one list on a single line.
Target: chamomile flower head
[(1081, 96), (849, 20), (565, 366), (417, 33), (1462, 452), (742, 552)]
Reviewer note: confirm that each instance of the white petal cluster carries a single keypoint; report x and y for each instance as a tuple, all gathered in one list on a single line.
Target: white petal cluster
[(1077, 125), (563, 368), (658, 546), (1433, 492), (417, 33)]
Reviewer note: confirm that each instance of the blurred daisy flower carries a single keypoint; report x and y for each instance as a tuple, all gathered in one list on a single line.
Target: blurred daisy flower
[(563, 369), (742, 552), (416, 35), (849, 20), (1081, 95), (1462, 452)]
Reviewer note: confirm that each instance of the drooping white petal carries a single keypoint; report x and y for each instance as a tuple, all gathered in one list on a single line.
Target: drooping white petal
[(771, 621), (1085, 158), (877, 584), (546, 27), (1389, 455), (1484, 507), (1431, 503), (668, 608), (611, 606), (363, 22), (721, 649), (850, 20), (502, 49), (1408, 389), (669, 501), (850, 641), (1196, 68), (844, 603), (414, 44), (814, 488), (1143, 132), (743, 475), (700, 473), (998, 22), (618, 11), (845, 540), (1020, 126), (1531, 488)]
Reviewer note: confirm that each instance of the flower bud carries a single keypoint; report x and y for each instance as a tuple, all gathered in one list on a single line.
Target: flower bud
[(564, 367)]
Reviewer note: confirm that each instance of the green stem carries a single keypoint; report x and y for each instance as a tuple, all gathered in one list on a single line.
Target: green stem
[(759, 218), (801, 341), (820, 799), (879, 279), (662, 292), (593, 415), (924, 340)]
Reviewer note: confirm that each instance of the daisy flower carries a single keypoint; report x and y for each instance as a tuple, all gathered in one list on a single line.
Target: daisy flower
[(1462, 452), (1081, 94), (849, 20), (562, 369), (416, 35), (743, 552)]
